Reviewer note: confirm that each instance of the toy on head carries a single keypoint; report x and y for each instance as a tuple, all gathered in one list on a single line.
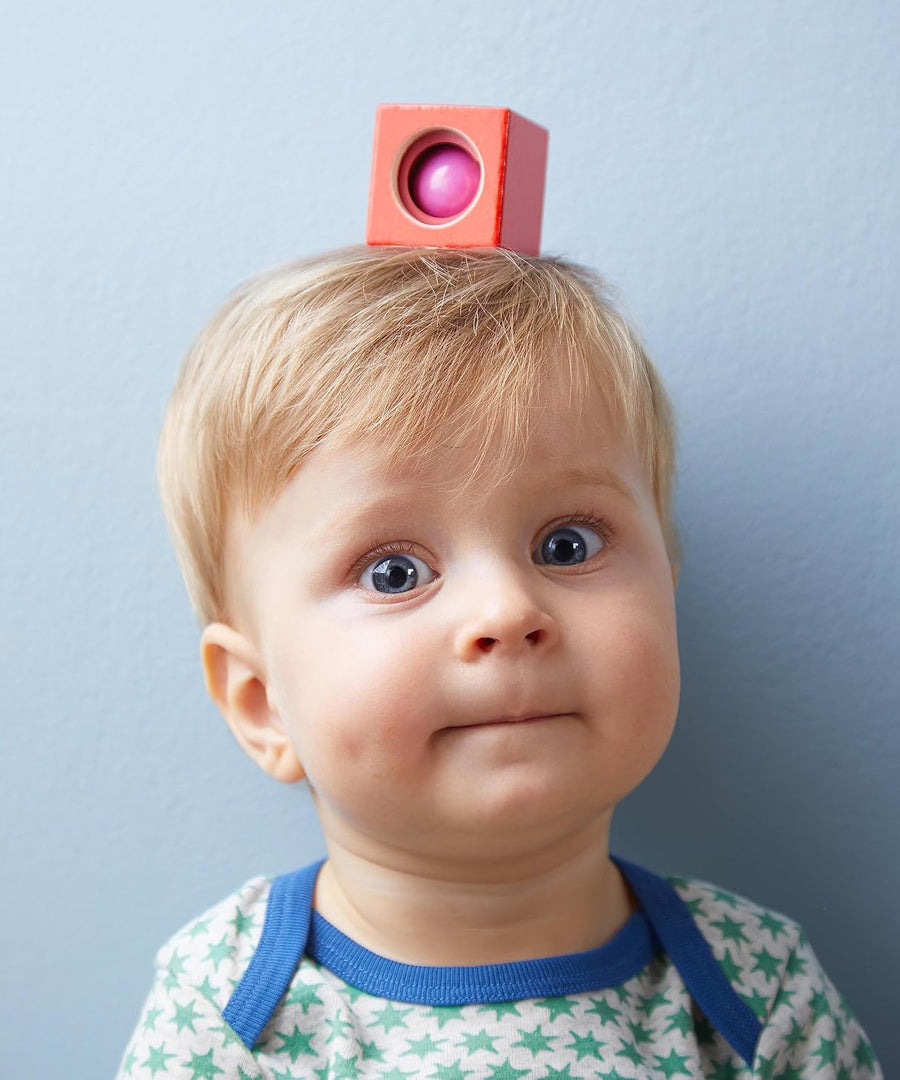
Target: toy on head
[(457, 176)]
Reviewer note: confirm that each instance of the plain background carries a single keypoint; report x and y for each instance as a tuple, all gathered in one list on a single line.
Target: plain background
[(731, 168)]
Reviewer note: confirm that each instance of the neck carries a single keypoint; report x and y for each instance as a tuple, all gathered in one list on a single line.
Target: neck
[(568, 898)]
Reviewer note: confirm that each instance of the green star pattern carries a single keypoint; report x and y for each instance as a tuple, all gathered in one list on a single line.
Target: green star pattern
[(157, 1059), (647, 1027)]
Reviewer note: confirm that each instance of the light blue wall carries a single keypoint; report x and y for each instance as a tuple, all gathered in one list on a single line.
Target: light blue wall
[(733, 168)]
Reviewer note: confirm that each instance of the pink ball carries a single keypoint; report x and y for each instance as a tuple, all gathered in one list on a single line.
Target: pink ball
[(444, 180)]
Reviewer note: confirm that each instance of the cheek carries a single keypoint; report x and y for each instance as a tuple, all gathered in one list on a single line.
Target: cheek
[(356, 697), (636, 670)]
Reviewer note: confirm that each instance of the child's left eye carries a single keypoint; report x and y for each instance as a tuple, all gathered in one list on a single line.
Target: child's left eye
[(566, 543)]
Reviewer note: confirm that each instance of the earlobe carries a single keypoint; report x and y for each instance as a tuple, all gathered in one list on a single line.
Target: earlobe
[(236, 680)]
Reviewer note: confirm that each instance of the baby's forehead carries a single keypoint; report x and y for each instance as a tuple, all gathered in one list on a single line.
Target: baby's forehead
[(556, 414), (473, 467), (459, 455)]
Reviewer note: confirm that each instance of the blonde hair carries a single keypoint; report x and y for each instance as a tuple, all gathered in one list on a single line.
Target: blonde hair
[(394, 343)]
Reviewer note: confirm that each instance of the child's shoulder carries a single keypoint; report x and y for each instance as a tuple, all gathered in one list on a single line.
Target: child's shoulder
[(713, 904), (769, 961), (212, 950), (755, 946)]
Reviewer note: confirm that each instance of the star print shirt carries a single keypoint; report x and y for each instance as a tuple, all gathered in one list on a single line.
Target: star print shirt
[(699, 983)]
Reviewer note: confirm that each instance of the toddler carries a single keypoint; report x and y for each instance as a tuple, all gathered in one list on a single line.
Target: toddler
[(422, 500)]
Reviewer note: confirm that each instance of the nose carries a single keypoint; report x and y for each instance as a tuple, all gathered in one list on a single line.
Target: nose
[(503, 616)]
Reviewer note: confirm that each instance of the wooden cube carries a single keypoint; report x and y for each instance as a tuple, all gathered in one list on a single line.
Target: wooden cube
[(457, 176)]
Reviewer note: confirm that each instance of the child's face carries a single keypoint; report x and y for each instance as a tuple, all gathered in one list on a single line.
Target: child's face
[(383, 670)]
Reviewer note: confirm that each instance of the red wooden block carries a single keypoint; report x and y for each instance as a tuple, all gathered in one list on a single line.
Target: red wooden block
[(486, 190)]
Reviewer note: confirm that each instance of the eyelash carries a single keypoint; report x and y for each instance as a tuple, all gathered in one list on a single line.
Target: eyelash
[(401, 547)]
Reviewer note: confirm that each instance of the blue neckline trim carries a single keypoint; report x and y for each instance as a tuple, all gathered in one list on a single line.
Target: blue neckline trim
[(291, 927)]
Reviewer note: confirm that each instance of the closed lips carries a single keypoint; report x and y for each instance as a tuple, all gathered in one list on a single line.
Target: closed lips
[(521, 719)]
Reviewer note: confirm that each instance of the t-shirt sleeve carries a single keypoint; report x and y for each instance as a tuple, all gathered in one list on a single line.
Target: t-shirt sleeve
[(810, 1032), (181, 1034)]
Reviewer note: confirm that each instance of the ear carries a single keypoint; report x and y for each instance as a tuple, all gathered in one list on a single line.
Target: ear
[(236, 681)]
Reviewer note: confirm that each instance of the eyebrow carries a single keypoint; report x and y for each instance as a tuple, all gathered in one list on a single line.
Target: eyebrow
[(594, 475)]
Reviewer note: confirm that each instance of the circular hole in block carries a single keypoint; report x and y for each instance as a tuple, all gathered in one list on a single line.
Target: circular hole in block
[(440, 176)]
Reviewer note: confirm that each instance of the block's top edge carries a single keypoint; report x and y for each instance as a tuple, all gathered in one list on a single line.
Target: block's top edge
[(419, 105), (441, 111)]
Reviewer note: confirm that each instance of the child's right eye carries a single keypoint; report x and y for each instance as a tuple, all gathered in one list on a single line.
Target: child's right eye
[(391, 569)]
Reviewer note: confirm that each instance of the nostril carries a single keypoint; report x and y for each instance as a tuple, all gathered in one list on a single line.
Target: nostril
[(487, 643)]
